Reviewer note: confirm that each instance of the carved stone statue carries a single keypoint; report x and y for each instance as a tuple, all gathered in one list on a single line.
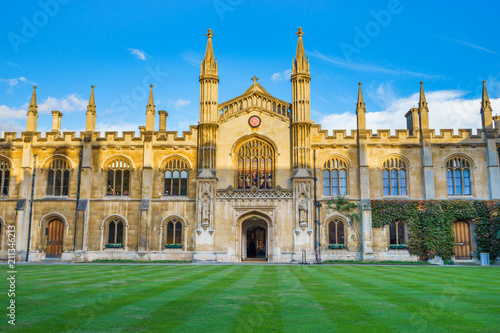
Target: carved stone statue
[(205, 210), (303, 212)]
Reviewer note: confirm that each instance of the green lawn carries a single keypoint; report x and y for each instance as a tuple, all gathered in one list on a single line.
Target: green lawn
[(254, 298)]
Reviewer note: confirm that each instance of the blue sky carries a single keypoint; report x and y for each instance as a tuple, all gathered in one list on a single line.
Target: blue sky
[(124, 46)]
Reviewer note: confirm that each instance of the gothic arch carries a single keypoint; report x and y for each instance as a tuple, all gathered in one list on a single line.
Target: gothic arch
[(462, 155), (43, 224), (165, 221), (238, 143), (110, 159), (394, 155), (173, 217), (332, 156), (46, 163), (51, 216), (254, 161), (241, 228), (176, 156), (108, 219)]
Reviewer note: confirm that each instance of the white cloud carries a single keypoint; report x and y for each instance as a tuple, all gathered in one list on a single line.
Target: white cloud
[(14, 83), (280, 76), (13, 119), (178, 103), (139, 54), (448, 109), (66, 104), (343, 63), (471, 45), (192, 58)]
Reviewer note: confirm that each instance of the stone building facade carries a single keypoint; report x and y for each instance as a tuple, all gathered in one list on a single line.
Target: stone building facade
[(237, 186)]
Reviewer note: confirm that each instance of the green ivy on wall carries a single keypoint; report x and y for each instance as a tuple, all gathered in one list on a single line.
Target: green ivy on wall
[(430, 224)]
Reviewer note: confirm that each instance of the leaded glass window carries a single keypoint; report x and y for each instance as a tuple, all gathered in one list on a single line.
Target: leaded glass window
[(335, 177), (58, 178), (176, 178), (458, 176), (118, 177), (394, 180), (255, 165)]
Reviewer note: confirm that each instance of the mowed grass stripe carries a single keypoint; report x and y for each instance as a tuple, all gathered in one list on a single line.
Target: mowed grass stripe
[(261, 312), (182, 302), (78, 286), (436, 311), (465, 289), (97, 304), (68, 297), (352, 308), (220, 312), (298, 306), (89, 275)]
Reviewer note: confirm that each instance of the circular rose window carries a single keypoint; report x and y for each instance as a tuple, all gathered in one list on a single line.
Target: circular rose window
[(254, 121)]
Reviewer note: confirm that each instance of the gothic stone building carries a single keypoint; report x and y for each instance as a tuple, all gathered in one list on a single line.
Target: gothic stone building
[(237, 186)]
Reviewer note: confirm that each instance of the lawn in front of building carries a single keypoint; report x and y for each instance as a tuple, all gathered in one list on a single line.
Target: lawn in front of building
[(253, 298)]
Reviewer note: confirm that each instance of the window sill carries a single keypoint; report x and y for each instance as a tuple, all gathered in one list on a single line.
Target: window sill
[(395, 197), (56, 197), (460, 197), (113, 248), (117, 197)]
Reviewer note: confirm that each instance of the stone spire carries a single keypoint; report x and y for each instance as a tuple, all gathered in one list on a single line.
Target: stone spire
[(301, 112), (32, 113), (91, 112), (150, 112), (361, 111), (209, 96), (301, 63), (486, 111), (209, 63), (423, 110)]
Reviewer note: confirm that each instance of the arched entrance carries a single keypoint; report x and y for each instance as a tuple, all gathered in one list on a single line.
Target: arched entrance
[(54, 233), (462, 240), (254, 239)]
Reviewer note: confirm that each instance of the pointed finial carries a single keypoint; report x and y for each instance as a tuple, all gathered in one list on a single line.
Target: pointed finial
[(300, 32), (422, 103), (92, 100), (486, 99), (360, 95), (209, 34), (33, 99), (151, 101), (255, 79)]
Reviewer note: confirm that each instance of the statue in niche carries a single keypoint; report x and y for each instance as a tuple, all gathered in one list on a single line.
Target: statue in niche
[(303, 213), (205, 210)]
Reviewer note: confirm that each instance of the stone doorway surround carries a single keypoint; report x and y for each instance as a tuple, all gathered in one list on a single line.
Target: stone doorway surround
[(247, 218)]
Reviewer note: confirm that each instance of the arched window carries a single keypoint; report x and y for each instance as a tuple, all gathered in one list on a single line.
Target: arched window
[(174, 234), (118, 177), (176, 178), (4, 177), (397, 233), (335, 177), (394, 176), (458, 176), (336, 233), (115, 234), (256, 165), (58, 178)]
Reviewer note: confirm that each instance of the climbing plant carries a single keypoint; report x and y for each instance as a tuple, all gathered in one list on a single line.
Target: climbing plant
[(350, 210), (430, 224)]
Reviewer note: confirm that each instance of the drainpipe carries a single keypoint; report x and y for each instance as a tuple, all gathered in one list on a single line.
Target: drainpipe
[(77, 196), (31, 206)]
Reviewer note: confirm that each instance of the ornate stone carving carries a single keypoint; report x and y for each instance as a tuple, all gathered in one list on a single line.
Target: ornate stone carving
[(205, 205), (276, 193), (303, 213)]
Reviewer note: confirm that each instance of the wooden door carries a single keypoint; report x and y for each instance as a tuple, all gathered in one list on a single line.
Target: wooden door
[(462, 240), (54, 238)]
